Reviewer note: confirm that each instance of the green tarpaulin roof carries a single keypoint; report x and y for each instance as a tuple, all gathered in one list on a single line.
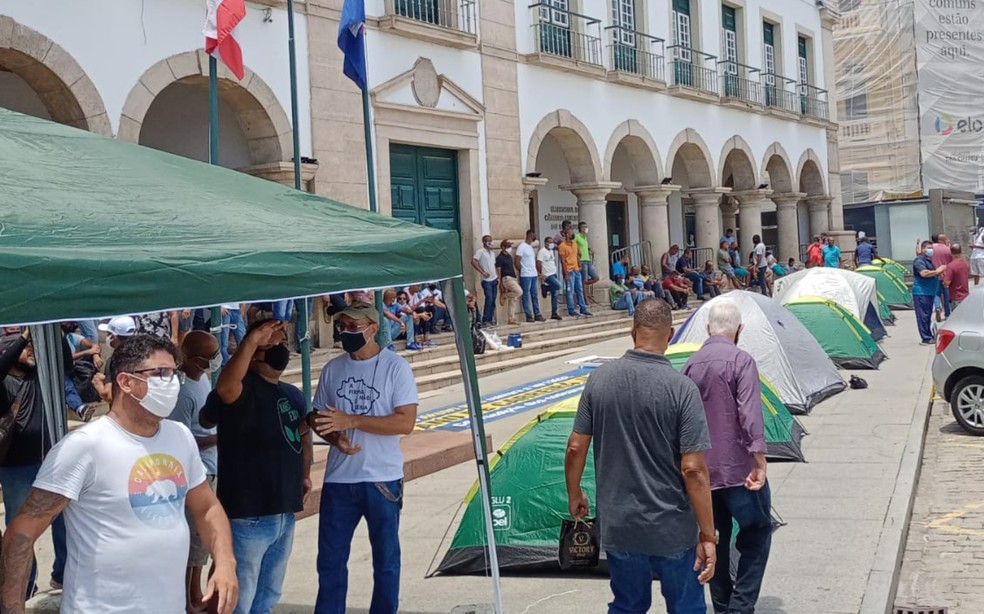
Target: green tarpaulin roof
[(92, 226)]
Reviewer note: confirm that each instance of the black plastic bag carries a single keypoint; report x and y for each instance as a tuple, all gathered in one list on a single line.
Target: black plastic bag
[(579, 544), (478, 339), (858, 383)]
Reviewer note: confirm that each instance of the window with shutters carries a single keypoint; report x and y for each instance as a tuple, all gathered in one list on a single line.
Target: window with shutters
[(681, 30), (804, 64), (729, 39), (556, 13), (623, 16), (769, 63)]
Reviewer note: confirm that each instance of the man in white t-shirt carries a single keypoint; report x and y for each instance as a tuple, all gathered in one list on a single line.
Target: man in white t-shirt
[(526, 264), (546, 265), (124, 483), (484, 262), (366, 399), (760, 264), (977, 256)]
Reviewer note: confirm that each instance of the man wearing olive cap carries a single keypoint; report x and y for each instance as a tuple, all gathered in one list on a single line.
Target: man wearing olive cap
[(366, 399)]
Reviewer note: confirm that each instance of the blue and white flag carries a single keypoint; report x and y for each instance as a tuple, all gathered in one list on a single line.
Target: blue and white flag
[(351, 40)]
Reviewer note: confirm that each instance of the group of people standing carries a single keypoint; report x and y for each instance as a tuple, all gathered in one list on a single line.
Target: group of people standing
[(678, 463), (941, 279)]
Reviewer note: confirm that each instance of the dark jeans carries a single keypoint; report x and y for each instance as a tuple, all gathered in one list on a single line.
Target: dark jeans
[(945, 299), (16, 482), (760, 280), (632, 582), (531, 300), (698, 282), (490, 288), (750, 509), (924, 311), (552, 285), (343, 506), (679, 298)]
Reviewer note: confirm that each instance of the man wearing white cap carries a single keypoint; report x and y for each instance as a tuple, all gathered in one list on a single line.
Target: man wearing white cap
[(116, 330)]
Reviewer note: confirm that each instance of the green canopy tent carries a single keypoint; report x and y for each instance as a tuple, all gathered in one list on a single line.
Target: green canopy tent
[(890, 286), (845, 339), (93, 226)]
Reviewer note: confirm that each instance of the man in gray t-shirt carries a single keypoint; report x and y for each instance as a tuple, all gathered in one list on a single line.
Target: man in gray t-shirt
[(654, 499)]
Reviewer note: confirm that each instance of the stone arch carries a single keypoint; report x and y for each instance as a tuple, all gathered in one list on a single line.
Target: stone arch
[(810, 174), (574, 139), (777, 170), (647, 168), (258, 112), (737, 163), (62, 86), (689, 153)]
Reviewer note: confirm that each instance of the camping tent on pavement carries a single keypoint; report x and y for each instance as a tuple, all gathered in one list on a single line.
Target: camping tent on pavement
[(894, 266), (94, 226), (787, 354), (840, 334), (850, 290), (890, 286)]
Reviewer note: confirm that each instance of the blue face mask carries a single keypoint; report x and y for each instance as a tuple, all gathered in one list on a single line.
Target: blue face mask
[(929, 252)]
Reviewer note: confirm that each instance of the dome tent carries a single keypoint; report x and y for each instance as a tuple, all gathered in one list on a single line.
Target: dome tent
[(839, 333), (889, 285), (854, 292), (787, 354)]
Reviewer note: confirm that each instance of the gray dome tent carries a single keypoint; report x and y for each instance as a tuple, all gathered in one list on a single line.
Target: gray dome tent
[(787, 354)]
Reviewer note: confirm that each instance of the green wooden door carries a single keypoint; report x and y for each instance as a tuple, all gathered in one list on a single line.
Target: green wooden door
[(424, 185)]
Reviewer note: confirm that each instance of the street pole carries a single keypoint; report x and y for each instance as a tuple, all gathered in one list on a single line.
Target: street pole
[(303, 317), (371, 180), (215, 322)]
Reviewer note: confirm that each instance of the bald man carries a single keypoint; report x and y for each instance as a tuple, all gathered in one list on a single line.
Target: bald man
[(200, 357)]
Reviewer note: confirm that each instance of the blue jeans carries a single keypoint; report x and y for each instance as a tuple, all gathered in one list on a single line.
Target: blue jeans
[(89, 330), (627, 301), (342, 508), (394, 327), (236, 318), (588, 270), (282, 310), (552, 285), (750, 509), (632, 582), (760, 280), (262, 547), (16, 482), (72, 398), (490, 289), (531, 299), (575, 289), (945, 299), (698, 282), (924, 311)]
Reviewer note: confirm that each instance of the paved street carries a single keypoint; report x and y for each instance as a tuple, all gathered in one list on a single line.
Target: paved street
[(944, 557)]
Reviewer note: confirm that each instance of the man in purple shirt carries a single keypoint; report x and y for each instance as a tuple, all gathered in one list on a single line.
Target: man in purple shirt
[(728, 380)]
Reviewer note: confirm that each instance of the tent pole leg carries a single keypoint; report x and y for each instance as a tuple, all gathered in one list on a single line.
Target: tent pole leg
[(466, 357)]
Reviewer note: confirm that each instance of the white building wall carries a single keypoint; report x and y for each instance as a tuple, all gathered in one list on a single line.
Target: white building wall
[(116, 41)]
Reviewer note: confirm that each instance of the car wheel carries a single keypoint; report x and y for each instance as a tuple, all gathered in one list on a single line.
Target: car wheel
[(967, 403)]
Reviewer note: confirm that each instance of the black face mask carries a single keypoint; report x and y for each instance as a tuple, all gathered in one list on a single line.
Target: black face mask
[(353, 341), (432, 287), (277, 357)]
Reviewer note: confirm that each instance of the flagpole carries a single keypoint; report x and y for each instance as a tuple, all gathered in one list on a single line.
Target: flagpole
[(303, 317), (215, 322), (371, 173)]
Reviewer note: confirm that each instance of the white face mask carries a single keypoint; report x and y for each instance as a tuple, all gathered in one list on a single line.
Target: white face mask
[(161, 397), (215, 363)]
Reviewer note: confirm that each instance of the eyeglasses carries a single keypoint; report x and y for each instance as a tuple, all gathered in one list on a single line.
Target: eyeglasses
[(165, 374), (351, 328)]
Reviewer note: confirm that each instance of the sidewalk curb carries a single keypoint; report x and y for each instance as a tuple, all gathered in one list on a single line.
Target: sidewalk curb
[(883, 580)]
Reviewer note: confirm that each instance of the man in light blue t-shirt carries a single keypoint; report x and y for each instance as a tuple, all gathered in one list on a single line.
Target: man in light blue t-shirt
[(366, 399)]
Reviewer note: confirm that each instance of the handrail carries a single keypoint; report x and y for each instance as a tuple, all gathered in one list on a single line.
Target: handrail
[(779, 78), (739, 65), (588, 20), (650, 37), (706, 56)]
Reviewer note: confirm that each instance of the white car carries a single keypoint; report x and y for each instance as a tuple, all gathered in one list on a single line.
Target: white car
[(958, 368)]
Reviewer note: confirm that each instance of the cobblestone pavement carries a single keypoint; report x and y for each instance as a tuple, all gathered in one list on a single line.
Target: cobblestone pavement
[(943, 563)]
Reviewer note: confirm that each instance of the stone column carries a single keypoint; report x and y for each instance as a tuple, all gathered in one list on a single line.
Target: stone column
[(750, 216), (654, 216), (819, 207), (591, 199), (707, 215), (787, 219), (729, 211)]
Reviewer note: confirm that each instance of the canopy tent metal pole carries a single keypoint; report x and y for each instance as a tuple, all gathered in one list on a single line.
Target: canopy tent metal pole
[(215, 321), (466, 357), (50, 358)]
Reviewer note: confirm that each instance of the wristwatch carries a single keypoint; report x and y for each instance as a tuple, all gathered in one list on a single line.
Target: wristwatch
[(709, 539)]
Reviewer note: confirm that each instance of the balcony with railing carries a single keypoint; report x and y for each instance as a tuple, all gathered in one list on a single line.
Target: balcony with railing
[(740, 83), (692, 72), (813, 102), (634, 57), (566, 40), (777, 95), (446, 22)]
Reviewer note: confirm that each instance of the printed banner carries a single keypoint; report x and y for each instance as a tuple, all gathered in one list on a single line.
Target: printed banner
[(950, 62), (535, 395)]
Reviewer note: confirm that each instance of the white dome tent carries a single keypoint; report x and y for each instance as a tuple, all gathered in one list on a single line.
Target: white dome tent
[(852, 291)]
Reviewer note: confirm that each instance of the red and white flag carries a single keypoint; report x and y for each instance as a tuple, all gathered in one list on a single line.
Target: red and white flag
[(221, 19)]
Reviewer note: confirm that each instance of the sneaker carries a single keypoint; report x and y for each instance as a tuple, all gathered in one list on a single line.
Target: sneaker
[(555, 316), (529, 319), (414, 347), (572, 314), (587, 314), (939, 318), (447, 329), (539, 318), (429, 344), (86, 412)]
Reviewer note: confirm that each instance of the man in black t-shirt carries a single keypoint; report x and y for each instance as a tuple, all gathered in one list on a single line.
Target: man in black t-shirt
[(264, 469), (509, 288)]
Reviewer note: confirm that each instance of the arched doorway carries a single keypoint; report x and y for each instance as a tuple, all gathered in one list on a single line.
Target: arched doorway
[(695, 216), (636, 213), (817, 203)]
